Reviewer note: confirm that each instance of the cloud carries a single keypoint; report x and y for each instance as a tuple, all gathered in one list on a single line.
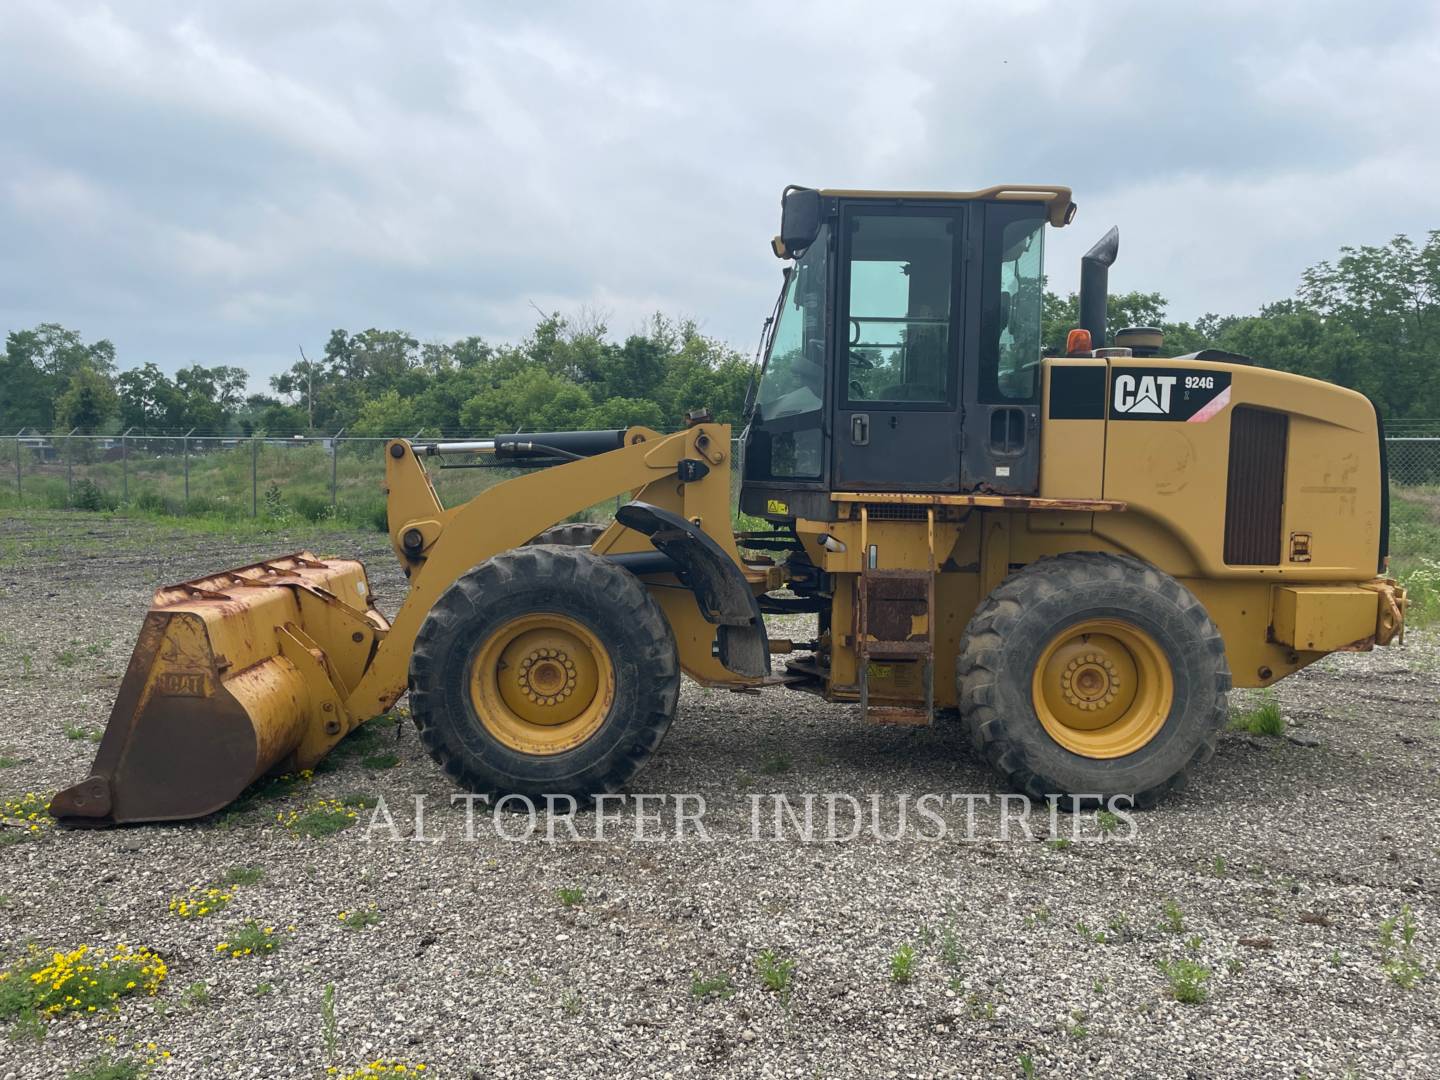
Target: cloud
[(218, 183)]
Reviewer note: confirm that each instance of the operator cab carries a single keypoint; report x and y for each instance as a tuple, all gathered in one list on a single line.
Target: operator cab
[(905, 351)]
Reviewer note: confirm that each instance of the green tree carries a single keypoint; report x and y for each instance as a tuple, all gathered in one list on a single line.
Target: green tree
[(87, 403)]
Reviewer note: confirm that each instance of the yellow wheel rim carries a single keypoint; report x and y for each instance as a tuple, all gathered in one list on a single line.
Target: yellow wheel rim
[(1103, 688), (542, 683)]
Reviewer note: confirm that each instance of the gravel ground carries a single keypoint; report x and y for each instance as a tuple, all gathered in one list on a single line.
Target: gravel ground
[(1279, 864)]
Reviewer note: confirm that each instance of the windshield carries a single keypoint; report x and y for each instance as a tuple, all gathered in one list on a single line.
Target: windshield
[(794, 377), (785, 432)]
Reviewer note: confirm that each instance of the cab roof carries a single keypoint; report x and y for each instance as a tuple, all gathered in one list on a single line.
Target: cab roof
[(1059, 206)]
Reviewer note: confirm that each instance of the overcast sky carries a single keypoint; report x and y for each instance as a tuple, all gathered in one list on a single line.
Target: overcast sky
[(221, 182)]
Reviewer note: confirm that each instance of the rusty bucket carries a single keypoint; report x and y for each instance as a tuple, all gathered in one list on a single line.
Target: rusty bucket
[(234, 676)]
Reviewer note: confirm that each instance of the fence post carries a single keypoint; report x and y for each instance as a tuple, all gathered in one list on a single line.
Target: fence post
[(19, 490), (334, 466), (254, 476), (125, 465), (70, 467), (186, 503)]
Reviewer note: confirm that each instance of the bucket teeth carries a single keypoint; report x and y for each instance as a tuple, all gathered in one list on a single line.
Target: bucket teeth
[(216, 694)]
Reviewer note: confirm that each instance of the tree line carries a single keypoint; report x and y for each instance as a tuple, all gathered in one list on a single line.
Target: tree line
[(1369, 319)]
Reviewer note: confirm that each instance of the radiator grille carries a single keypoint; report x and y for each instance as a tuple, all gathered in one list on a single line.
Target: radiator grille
[(1255, 495)]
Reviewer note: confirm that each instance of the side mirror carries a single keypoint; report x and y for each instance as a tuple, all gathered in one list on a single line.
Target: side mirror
[(799, 221)]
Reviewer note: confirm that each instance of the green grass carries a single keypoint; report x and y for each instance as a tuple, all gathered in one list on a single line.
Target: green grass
[(108, 1068), (360, 918), (1415, 550), (1398, 955), (776, 972), (243, 875), (195, 995), (1187, 980), (569, 896), (1264, 719), (703, 986), (902, 965), (380, 761), (248, 940), (1172, 918)]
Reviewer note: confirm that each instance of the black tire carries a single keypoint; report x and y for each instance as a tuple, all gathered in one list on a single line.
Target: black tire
[(571, 534), (1007, 638), (611, 604)]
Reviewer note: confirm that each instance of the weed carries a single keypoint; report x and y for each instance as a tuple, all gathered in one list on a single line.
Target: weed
[(195, 995), (1193, 942), (1264, 719), (31, 811), (703, 987), (200, 903), (380, 761), (360, 801), (952, 953), (1187, 980), (1172, 918), (329, 1027), (1059, 843), (249, 939), (902, 965), (8, 762), (108, 1068), (263, 989), (360, 919), (323, 817), (1107, 821), (1099, 937), (1336, 960), (1077, 1027), (77, 732), (1398, 955), (776, 972), (980, 1007), (383, 1069), (1027, 1067), (570, 1004), (1218, 866), (1037, 917), (570, 896), (776, 764), (46, 984), (243, 875), (1234, 965), (67, 658)]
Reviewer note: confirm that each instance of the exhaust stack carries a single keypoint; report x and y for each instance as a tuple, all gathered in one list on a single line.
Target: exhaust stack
[(1095, 285)]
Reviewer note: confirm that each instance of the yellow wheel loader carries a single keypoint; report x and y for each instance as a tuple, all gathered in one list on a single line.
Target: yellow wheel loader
[(1080, 553)]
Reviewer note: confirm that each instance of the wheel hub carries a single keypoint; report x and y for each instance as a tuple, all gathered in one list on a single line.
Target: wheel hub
[(541, 683), (547, 676), (1102, 688)]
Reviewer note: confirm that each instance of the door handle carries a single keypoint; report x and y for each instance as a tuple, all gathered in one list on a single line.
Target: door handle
[(860, 429)]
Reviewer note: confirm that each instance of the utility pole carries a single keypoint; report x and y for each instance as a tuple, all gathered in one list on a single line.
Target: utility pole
[(309, 387)]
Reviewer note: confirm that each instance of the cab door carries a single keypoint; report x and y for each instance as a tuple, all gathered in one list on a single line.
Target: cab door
[(897, 343)]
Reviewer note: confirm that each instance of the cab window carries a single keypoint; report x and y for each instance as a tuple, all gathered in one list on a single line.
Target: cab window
[(1011, 303)]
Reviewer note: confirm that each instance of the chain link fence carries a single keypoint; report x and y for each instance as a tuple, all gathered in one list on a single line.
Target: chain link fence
[(331, 478), (225, 476)]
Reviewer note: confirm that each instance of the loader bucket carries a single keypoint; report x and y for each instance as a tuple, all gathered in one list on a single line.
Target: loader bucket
[(234, 676)]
